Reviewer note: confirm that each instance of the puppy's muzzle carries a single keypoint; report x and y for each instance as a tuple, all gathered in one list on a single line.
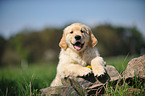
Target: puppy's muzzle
[(78, 45)]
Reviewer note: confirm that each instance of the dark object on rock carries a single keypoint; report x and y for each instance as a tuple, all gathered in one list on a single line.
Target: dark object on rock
[(86, 85)]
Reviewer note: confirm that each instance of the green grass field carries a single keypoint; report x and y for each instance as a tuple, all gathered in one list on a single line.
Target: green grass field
[(26, 81)]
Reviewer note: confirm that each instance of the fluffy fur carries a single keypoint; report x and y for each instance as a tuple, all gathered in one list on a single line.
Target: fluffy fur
[(77, 53)]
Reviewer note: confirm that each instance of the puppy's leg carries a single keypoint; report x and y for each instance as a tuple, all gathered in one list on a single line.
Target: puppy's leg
[(75, 70), (56, 81), (98, 66)]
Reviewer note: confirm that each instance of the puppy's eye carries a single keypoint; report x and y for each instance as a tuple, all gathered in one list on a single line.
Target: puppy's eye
[(82, 31), (71, 32)]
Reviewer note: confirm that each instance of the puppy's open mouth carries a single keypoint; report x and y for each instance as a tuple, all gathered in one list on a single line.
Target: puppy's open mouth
[(78, 45)]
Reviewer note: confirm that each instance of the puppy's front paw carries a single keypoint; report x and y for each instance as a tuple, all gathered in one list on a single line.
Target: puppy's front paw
[(98, 71), (98, 66), (84, 71)]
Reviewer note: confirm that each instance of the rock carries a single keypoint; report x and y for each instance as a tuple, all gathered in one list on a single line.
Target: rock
[(58, 91), (136, 67), (134, 74), (87, 85), (84, 86), (113, 73)]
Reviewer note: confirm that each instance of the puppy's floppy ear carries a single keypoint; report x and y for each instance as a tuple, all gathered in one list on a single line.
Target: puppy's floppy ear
[(93, 41), (63, 43)]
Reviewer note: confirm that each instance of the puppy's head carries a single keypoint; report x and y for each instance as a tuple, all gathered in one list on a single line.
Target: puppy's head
[(77, 37)]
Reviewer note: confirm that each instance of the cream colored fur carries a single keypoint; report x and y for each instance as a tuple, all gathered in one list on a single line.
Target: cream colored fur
[(73, 62)]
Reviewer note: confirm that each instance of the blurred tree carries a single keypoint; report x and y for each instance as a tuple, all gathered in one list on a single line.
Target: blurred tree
[(35, 46), (136, 41), (19, 47), (2, 47), (40, 42), (118, 40)]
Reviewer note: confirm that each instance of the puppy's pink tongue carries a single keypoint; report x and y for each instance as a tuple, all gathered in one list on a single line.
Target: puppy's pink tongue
[(78, 47)]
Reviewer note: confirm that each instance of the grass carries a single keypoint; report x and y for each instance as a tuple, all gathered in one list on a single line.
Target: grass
[(27, 80), (119, 62), (17, 81), (137, 89)]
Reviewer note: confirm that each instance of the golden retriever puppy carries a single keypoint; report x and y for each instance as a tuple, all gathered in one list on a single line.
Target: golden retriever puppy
[(77, 51)]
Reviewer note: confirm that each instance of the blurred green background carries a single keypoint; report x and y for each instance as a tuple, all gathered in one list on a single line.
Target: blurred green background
[(28, 47)]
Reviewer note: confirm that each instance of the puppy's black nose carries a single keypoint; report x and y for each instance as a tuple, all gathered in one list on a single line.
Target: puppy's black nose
[(77, 37)]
